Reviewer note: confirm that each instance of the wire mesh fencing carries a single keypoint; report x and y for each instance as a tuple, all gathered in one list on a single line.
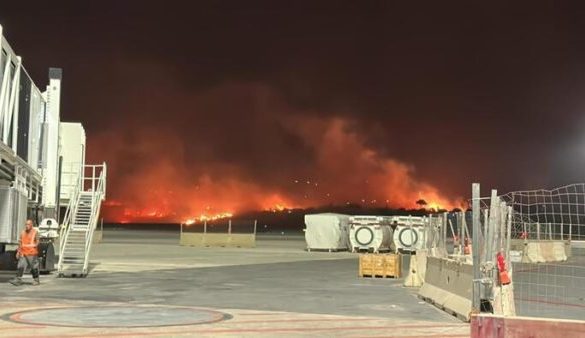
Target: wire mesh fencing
[(552, 290), (548, 251), (557, 214)]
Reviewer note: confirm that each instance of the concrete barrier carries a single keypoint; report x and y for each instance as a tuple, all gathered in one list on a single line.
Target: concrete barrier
[(484, 325), (543, 251), (418, 266), (217, 240), (448, 285), (416, 269), (503, 303)]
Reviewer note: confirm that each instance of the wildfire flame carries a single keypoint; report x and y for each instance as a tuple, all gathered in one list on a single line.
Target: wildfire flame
[(337, 165), (213, 217)]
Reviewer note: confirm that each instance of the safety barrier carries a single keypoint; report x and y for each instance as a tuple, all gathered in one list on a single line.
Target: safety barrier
[(241, 234), (417, 269), (542, 251), (486, 325), (215, 240), (448, 285)]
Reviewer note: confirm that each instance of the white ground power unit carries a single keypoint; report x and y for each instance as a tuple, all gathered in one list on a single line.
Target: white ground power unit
[(407, 238), (371, 233), (410, 233)]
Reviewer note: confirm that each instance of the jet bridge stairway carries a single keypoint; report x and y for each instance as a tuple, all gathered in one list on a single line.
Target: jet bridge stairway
[(80, 223)]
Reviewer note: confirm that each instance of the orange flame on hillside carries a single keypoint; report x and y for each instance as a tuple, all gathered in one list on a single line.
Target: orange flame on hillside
[(342, 169), (207, 218)]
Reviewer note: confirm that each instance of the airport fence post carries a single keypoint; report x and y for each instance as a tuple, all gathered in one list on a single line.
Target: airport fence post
[(475, 195), (444, 234), (460, 231), (509, 235)]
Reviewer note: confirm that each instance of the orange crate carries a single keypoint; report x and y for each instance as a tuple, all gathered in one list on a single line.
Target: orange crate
[(379, 265)]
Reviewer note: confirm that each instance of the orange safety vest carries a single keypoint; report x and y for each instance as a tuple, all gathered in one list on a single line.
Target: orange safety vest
[(27, 243)]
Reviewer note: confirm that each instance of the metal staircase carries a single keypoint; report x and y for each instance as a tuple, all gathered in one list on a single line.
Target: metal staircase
[(80, 222)]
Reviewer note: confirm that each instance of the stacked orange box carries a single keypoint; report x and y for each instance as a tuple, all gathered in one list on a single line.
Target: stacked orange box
[(379, 265)]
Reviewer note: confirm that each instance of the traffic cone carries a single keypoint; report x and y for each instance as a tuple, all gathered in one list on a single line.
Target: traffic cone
[(504, 277)]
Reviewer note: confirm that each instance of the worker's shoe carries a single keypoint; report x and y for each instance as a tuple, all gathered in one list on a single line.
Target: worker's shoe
[(15, 281), (36, 282)]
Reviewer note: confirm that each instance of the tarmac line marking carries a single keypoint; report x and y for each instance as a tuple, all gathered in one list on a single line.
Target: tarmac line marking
[(21, 327), (235, 331), (256, 314), (332, 319), (421, 336)]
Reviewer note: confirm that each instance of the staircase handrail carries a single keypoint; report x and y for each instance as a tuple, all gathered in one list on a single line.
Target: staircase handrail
[(71, 210), (98, 195)]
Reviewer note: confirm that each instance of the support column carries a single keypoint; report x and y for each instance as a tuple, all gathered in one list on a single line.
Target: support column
[(475, 209)]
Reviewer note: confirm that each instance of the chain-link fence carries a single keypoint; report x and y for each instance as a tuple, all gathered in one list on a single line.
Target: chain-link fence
[(548, 247), (557, 214), (553, 290)]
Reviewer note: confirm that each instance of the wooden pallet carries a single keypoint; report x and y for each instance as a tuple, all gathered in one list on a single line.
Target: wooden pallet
[(379, 276), (370, 250), (379, 266)]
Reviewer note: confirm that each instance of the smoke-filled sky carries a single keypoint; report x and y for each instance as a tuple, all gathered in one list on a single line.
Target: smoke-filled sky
[(223, 106)]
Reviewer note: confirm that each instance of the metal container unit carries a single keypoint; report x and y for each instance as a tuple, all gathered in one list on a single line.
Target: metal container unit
[(13, 213), (327, 231), (410, 233), (371, 233)]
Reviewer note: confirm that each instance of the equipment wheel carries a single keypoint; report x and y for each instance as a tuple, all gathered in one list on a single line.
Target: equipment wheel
[(47, 257)]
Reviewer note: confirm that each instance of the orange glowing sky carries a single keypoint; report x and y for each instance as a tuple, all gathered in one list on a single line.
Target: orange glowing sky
[(339, 169)]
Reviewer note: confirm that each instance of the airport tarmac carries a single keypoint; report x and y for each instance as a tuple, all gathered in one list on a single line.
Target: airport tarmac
[(143, 283)]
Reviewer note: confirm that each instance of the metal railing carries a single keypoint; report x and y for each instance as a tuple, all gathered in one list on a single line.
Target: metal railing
[(549, 272), (96, 185), (98, 196), (71, 210)]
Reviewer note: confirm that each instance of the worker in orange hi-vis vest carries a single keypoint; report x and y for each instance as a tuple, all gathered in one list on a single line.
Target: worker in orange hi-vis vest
[(27, 254)]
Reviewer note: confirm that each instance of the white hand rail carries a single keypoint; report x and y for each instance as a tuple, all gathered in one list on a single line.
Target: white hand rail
[(98, 196), (71, 210), (97, 187)]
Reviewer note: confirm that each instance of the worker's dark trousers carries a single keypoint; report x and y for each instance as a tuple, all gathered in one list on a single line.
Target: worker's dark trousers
[(30, 261)]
